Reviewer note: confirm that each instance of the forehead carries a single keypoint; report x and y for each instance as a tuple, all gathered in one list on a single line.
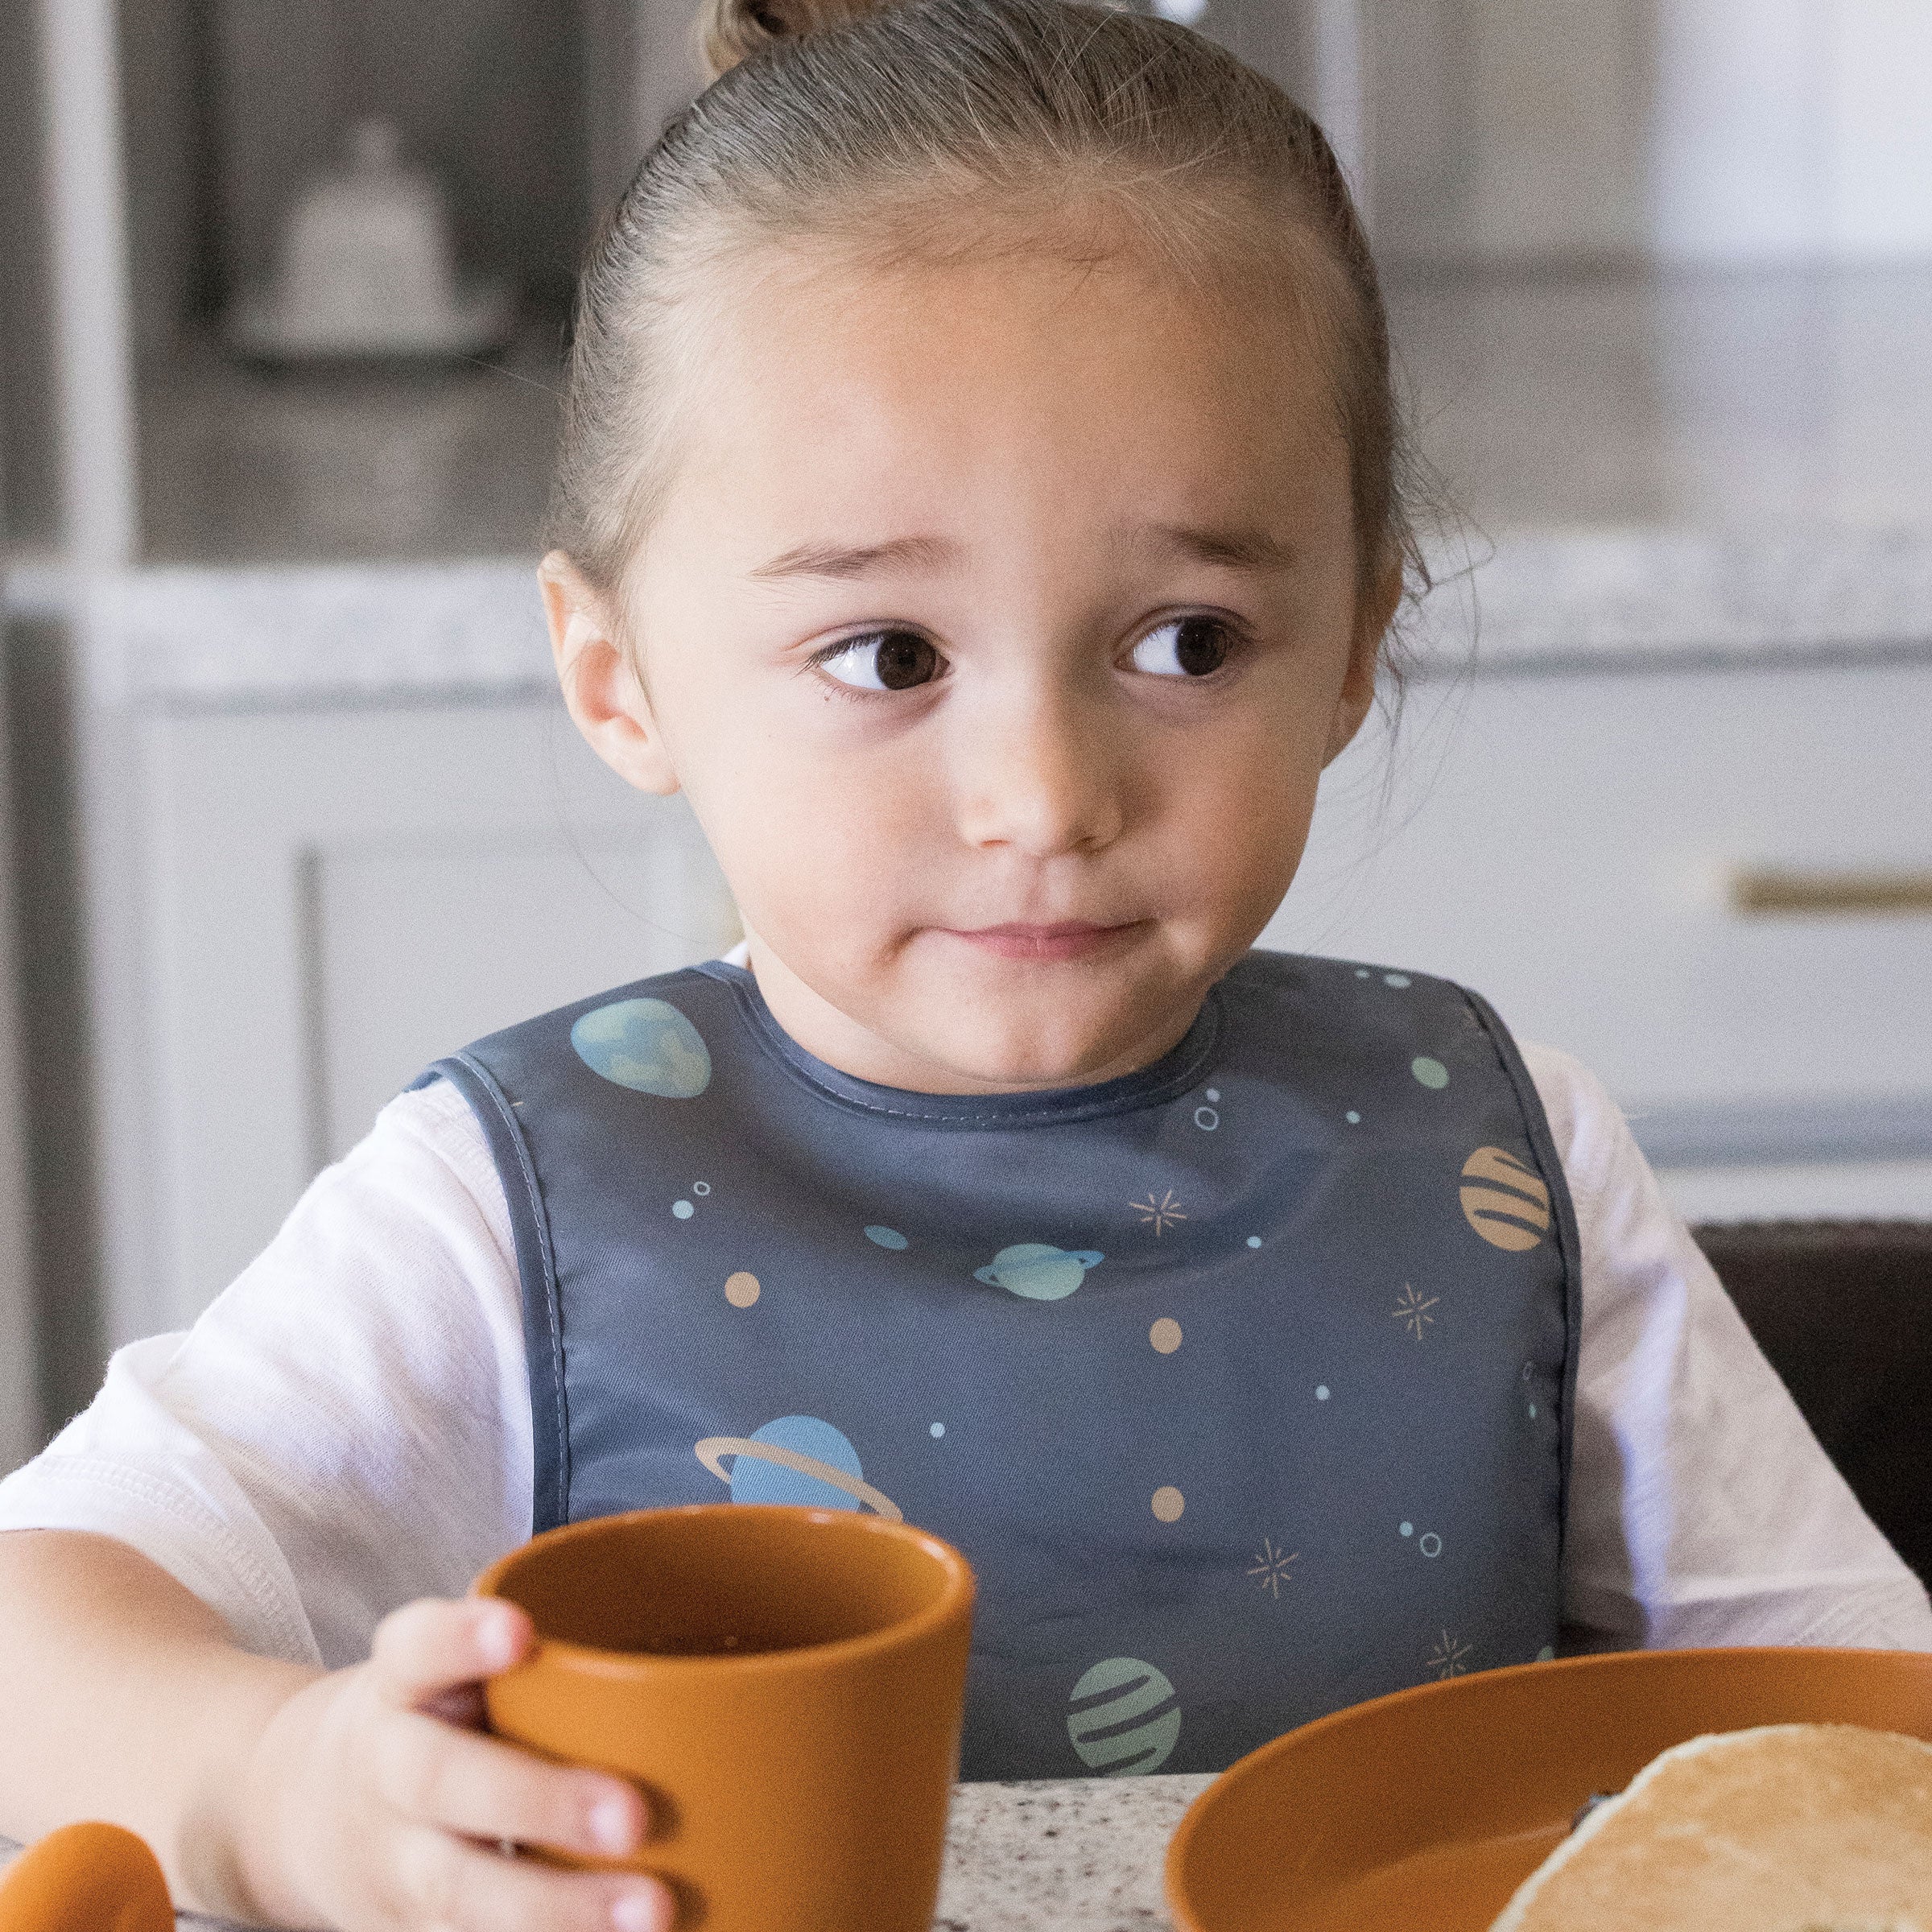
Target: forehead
[(1010, 381)]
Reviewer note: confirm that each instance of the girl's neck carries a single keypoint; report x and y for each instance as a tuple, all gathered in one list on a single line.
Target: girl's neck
[(870, 1053)]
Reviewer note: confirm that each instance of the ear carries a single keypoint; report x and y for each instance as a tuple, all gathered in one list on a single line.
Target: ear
[(607, 701), (1375, 613)]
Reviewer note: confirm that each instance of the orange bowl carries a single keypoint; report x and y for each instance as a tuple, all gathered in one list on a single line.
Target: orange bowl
[(1423, 1811)]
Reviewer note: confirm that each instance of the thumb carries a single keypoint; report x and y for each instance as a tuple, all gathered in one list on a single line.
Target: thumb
[(430, 1654)]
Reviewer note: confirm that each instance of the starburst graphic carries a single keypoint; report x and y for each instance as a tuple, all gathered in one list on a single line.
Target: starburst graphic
[(1446, 1660), (1162, 1213), (1411, 1311), (1272, 1568)]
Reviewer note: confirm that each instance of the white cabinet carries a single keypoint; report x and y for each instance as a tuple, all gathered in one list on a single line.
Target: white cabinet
[(337, 897), (1571, 845)]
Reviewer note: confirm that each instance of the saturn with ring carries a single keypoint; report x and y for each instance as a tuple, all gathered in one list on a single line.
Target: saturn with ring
[(796, 1459)]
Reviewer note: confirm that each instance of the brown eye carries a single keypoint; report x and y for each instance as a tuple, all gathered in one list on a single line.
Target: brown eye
[(1189, 647), (886, 660)]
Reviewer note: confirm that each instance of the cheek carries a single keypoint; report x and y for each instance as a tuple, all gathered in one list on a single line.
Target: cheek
[(1242, 797), (1235, 846), (1231, 824), (815, 845)]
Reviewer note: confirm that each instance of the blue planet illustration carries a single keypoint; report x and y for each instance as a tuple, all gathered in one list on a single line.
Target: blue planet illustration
[(645, 1045), (1124, 1721), (1038, 1270), (796, 1459)]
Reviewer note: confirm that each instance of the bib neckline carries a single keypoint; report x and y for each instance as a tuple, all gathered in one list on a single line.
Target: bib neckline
[(1167, 1079)]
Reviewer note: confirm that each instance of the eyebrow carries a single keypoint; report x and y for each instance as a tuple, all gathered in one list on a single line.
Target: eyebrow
[(859, 560), (1232, 549), (1228, 549)]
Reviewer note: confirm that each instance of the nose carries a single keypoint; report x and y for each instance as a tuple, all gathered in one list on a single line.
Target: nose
[(1041, 770)]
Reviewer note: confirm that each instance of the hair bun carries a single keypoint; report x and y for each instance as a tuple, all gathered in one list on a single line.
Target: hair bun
[(729, 30)]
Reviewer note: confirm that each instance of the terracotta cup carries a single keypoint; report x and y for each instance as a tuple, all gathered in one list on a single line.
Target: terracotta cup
[(785, 1685)]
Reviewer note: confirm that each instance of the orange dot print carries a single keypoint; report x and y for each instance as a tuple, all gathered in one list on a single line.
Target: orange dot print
[(1165, 1334), (1168, 1503), (742, 1289)]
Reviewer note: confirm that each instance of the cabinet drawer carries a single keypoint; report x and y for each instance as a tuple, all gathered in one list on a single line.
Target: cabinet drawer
[(1581, 849)]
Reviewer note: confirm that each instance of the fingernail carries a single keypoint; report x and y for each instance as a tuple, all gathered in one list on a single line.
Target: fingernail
[(635, 1912), (611, 1828), (496, 1639)]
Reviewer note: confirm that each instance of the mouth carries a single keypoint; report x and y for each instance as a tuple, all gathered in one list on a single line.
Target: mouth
[(1063, 939)]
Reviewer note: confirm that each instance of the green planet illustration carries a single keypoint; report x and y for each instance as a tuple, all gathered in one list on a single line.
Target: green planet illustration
[(1038, 1270), (645, 1045), (1122, 1720)]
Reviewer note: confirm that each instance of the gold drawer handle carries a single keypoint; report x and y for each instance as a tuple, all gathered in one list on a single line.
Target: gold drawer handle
[(1759, 890)]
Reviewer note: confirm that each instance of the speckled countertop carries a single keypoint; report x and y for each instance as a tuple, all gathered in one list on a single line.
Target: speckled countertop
[(196, 636), (1078, 1854), (1710, 468)]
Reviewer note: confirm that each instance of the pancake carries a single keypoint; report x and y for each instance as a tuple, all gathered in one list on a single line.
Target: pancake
[(1788, 1828)]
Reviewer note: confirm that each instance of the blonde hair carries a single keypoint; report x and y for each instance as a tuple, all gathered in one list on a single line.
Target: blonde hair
[(905, 128)]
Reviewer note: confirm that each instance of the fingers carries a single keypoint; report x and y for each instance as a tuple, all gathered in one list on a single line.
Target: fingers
[(433, 1647), (457, 1884), (446, 1786), (461, 1782)]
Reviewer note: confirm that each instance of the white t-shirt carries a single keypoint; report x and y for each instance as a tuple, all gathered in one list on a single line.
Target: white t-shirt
[(348, 1426)]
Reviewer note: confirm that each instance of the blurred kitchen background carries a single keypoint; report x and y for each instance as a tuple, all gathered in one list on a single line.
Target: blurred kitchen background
[(290, 808)]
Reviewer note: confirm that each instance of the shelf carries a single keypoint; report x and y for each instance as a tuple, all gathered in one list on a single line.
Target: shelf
[(242, 465)]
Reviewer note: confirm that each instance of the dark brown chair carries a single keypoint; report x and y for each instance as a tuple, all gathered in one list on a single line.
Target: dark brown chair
[(1844, 1311)]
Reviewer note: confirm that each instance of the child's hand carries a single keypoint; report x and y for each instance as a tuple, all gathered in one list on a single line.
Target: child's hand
[(379, 1807)]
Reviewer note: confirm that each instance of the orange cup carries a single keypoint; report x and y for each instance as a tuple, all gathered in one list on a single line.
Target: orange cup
[(785, 1685)]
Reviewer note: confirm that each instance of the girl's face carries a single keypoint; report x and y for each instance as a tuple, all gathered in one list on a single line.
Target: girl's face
[(997, 623)]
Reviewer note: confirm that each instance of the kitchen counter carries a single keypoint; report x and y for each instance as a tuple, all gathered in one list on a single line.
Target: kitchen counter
[(194, 637), (1778, 401), (1709, 468), (1077, 1855)]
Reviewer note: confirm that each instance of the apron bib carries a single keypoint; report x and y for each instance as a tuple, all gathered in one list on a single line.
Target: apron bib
[(1244, 1381)]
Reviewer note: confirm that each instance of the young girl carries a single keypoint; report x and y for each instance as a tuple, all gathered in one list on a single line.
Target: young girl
[(980, 495)]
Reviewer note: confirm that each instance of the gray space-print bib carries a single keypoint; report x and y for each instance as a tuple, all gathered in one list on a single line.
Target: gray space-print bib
[(1244, 1381)]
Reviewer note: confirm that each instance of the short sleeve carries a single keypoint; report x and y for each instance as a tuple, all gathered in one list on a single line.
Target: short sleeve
[(1702, 1509), (346, 1427)]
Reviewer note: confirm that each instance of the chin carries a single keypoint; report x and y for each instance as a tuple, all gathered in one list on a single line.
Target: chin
[(1053, 1048), (1023, 1071)]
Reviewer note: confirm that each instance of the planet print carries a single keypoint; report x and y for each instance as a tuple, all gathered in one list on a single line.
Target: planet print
[(1513, 1211), (1038, 1270), (645, 1045), (1124, 1721), (887, 1237), (796, 1459)]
